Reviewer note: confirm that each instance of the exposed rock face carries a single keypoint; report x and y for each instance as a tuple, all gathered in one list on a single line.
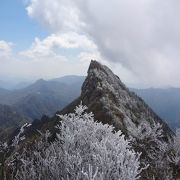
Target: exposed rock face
[(111, 102)]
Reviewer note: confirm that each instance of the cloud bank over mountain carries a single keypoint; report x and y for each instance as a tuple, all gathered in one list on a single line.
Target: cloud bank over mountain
[(142, 36)]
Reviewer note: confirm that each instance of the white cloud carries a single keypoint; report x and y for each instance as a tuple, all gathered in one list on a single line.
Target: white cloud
[(141, 36), (43, 68), (50, 46), (5, 49), (50, 57), (55, 15)]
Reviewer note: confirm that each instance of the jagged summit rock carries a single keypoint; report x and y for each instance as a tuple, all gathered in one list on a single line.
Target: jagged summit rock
[(111, 102)]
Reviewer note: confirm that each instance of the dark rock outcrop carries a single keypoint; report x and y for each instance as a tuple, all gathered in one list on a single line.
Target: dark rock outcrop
[(111, 102)]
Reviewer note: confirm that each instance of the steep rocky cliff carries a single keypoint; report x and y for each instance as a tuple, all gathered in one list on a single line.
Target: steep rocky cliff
[(111, 102)]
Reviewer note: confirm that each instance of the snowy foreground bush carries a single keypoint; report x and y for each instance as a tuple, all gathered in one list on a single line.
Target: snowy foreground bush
[(83, 150)]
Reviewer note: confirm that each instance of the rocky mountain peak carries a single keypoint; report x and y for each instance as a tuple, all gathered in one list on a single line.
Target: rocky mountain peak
[(111, 102), (100, 78)]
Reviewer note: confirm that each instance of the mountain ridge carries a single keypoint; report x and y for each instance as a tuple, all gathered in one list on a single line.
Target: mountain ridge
[(111, 102), (38, 99)]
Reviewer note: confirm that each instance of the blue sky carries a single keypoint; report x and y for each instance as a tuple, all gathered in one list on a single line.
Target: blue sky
[(139, 40), (16, 26)]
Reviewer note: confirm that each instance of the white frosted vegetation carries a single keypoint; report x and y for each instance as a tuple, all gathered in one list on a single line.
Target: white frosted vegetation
[(163, 156), (87, 150), (84, 149), (19, 136)]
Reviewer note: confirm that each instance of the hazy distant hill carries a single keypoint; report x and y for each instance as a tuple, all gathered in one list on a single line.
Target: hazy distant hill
[(3, 92), (71, 80), (14, 84), (22, 85), (165, 102), (43, 89), (42, 97), (38, 99), (34, 106), (6, 85)]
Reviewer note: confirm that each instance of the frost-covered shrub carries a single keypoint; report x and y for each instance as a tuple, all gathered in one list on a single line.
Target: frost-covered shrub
[(84, 149), (163, 156), (174, 156)]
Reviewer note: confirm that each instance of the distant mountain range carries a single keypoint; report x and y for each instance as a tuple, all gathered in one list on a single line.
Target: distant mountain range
[(6, 85), (46, 97), (165, 102), (10, 84), (17, 84), (38, 99)]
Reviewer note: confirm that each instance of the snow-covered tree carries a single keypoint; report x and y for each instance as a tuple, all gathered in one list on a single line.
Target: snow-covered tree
[(162, 154), (174, 156), (84, 149), (18, 138)]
